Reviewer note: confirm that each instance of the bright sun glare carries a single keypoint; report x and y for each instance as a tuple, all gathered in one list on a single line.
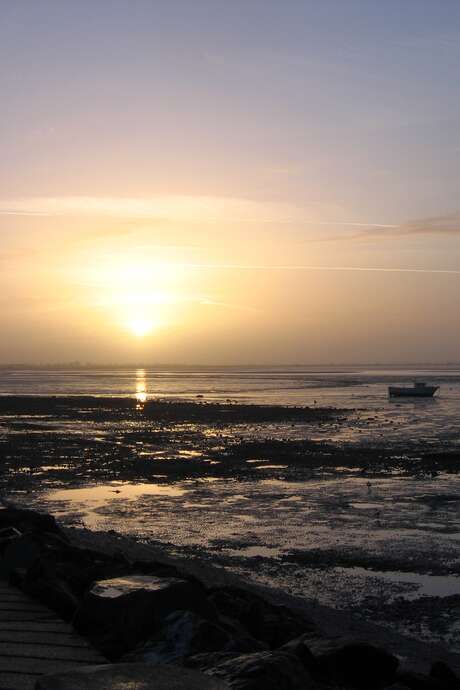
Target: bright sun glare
[(136, 292), (140, 326)]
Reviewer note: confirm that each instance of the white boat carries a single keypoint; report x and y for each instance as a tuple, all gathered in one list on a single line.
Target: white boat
[(418, 390)]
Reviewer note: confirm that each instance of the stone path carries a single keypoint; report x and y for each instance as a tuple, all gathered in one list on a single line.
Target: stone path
[(34, 641)]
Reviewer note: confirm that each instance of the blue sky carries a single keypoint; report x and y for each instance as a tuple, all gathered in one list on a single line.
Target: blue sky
[(359, 95)]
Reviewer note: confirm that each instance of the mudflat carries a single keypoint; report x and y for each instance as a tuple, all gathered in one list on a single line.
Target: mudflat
[(266, 491)]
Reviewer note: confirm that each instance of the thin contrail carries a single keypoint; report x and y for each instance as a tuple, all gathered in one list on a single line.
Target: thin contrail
[(351, 223), (6, 210), (303, 267)]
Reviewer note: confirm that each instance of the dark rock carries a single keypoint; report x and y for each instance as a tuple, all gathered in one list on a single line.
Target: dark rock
[(28, 520), (119, 614), (22, 552), (51, 570), (41, 583), (417, 681), (276, 670), (129, 677), (299, 648), (182, 634), (185, 634), (158, 569), (54, 542), (245, 642), (442, 672), (8, 534), (356, 664), (272, 624), (80, 568), (47, 567), (208, 660)]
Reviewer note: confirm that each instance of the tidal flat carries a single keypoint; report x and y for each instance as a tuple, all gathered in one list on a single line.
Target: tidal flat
[(287, 496)]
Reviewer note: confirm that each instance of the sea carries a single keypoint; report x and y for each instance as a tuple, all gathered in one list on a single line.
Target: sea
[(352, 388)]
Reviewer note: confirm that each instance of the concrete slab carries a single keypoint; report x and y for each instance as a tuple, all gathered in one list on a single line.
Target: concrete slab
[(7, 615), (41, 638), (17, 681), (52, 625), (131, 677), (33, 650), (34, 642), (18, 605)]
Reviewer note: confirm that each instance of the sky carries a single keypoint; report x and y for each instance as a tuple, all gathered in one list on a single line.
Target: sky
[(214, 182)]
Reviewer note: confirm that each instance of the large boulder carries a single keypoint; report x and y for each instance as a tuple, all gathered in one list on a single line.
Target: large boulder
[(442, 672), (185, 634), (208, 660), (118, 614), (27, 520), (270, 623), (20, 553), (278, 670), (354, 664), (182, 634), (299, 648), (47, 567), (418, 681), (56, 594), (129, 677)]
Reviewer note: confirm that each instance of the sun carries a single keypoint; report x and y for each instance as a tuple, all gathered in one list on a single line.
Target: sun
[(138, 294), (140, 326)]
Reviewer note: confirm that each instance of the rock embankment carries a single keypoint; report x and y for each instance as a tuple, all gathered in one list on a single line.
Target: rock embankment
[(144, 614)]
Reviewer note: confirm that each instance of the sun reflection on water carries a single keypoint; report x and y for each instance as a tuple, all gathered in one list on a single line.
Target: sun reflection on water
[(141, 388)]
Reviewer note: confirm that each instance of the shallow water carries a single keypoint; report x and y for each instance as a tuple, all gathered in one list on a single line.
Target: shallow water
[(382, 525), (101, 494), (376, 419), (423, 585), (284, 385), (346, 541)]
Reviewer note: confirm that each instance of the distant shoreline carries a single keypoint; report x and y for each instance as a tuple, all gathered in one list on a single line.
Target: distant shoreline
[(73, 366)]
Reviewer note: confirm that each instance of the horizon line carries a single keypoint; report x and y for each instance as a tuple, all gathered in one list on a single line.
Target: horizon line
[(120, 365)]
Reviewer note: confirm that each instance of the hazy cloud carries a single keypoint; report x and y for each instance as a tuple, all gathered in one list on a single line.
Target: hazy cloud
[(211, 209), (445, 225), (178, 208), (162, 208), (435, 225)]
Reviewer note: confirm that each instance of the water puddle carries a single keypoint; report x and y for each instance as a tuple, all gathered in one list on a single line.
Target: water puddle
[(272, 467), (423, 585), (256, 551), (365, 506), (108, 492)]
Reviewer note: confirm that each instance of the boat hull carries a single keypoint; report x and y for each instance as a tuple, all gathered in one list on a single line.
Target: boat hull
[(416, 392)]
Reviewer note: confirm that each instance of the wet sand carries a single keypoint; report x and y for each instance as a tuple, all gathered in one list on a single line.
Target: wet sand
[(266, 491)]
